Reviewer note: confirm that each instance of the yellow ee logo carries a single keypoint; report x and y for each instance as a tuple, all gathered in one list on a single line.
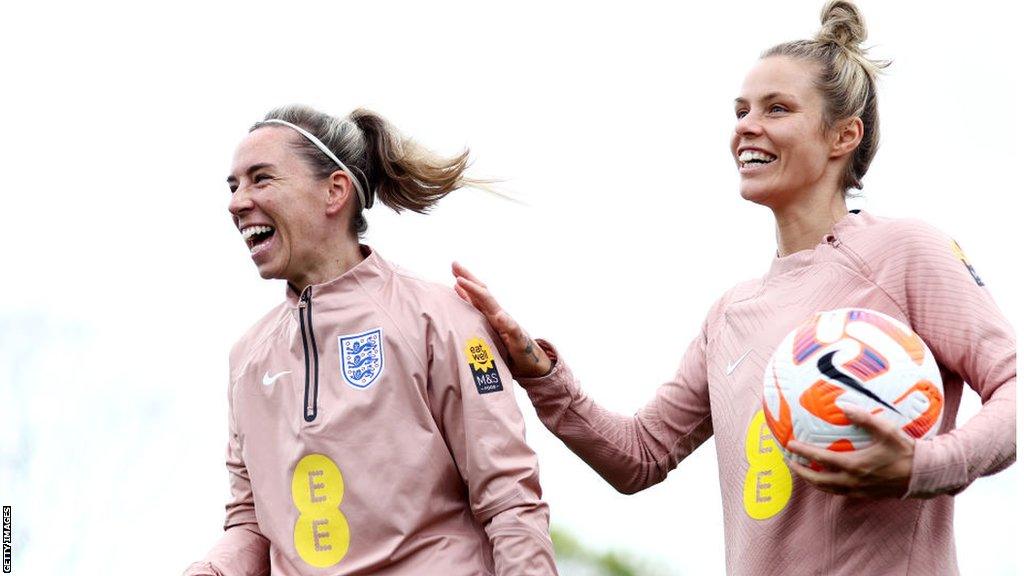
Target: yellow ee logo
[(769, 483), (321, 531)]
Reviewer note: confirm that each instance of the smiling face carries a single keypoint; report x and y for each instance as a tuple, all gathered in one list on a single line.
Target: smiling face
[(783, 153), (279, 207)]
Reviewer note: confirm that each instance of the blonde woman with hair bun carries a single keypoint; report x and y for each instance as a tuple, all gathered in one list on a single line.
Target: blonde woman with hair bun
[(806, 131)]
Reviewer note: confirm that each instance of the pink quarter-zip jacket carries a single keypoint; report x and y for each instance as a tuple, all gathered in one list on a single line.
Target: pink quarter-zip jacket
[(373, 430), (774, 522)]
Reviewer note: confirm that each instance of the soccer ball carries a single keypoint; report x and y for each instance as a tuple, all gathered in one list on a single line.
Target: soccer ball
[(854, 356)]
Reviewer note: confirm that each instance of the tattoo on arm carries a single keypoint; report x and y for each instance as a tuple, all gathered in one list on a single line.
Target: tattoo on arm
[(529, 350)]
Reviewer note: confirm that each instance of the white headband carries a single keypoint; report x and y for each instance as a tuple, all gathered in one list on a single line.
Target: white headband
[(365, 201)]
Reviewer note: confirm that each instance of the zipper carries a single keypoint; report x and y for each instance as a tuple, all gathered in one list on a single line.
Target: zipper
[(855, 259), (306, 325)]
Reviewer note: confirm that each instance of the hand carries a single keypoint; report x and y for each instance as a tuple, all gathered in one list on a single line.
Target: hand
[(881, 470), (526, 359)]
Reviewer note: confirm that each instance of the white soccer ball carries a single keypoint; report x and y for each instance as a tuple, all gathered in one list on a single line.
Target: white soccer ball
[(853, 356)]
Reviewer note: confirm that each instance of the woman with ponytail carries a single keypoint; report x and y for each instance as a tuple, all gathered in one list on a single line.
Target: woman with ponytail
[(372, 426), (806, 131)]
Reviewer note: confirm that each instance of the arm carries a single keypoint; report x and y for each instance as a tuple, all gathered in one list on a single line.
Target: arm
[(968, 334), (925, 273), (242, 550), (630, 452), (471, 392)]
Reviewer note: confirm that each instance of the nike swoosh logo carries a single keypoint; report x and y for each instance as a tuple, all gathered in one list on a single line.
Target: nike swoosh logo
[(268, 379), (829, 370), (732, 365)]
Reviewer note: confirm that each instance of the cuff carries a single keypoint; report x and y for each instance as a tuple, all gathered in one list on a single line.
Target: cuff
[(939, 467)]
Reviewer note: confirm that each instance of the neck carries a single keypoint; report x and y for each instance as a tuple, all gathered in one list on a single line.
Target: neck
[(332, 264), (802, 226)]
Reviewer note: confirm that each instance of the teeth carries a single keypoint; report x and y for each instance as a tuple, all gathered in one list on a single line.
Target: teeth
[(749, 155), (248, 232)]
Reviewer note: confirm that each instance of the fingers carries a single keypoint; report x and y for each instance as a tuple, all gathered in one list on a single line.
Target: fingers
[(460, 271), (479, 296), (832, 482), (827, 458), (482, 300), (875, 424), (524, 355), (463, 294)]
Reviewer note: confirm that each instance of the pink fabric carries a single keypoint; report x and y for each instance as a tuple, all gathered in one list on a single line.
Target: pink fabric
[(902, 268), (437, 476)]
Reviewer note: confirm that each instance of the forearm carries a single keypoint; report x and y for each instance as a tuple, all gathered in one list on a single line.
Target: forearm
[(520, 540), (986, 444), (630, 452), (241, 551)]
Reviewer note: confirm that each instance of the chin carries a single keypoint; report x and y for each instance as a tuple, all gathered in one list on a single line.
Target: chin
[(756, 194), (269, 272)]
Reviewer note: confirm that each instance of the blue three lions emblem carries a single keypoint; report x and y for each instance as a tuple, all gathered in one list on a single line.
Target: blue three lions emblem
[(362, 357)]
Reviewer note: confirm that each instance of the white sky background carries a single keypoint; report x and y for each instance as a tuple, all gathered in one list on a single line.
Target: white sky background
[(125, 284)]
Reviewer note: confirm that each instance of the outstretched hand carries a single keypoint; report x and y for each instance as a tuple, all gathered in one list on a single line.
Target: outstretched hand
[(526, 359), (881, 470)]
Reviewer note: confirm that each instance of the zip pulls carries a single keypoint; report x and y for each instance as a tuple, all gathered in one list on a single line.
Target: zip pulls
[(306, 325), (857, 262)]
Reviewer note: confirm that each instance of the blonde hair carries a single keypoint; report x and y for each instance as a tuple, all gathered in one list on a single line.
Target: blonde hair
[(400, 172), (846, 79)]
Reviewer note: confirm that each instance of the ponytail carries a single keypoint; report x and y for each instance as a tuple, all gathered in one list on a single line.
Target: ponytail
[(400, 172), (408, 176)]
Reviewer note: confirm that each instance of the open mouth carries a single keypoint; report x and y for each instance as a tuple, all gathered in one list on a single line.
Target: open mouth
[(256, 237), (755, 158)]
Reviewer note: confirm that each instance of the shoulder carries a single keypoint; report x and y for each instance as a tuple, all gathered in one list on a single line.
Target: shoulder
[(256, 334), (435, 301), (424, 289), (739, 292), (876, 237), (908, 258)]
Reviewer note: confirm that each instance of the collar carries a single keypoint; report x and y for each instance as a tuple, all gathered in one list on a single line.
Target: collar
[(369, 270), (783, 264)]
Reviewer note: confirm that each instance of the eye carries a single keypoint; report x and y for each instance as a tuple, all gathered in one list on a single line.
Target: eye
[(778, 109), (261, 177), (741, 113)]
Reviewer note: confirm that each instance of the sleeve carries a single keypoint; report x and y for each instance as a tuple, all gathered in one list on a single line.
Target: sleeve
[(630, 452), (242, 550), (956, 316), (472, 391)]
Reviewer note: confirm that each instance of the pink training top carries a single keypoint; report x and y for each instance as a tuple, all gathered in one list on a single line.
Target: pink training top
[(774, 522), (373, 430)]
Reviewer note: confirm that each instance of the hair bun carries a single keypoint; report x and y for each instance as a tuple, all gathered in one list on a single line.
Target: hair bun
[(842, 24)]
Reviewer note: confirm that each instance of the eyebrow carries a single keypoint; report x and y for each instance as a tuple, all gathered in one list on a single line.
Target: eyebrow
[(768, 96), (254, 168)]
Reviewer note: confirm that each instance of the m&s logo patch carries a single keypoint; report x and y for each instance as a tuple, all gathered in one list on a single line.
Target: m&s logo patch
[(481, 364)]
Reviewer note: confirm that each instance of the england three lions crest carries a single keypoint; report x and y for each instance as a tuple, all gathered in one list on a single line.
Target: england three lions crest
[(362, 357)]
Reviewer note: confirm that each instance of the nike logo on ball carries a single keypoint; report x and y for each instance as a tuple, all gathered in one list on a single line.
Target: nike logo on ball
[(732, 365), (829, 370), (268, 379)]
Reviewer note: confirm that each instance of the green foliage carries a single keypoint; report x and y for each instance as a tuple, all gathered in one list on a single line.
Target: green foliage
[(575, 558)]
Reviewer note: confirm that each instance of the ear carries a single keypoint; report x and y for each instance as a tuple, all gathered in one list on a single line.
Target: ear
[(340, 193), (847, 136)]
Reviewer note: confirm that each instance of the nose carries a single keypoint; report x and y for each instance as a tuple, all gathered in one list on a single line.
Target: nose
[(240, 202), (748, 125)]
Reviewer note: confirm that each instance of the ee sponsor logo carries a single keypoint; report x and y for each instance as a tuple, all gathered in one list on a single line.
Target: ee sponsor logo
[(321, 530), (769, 483)]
